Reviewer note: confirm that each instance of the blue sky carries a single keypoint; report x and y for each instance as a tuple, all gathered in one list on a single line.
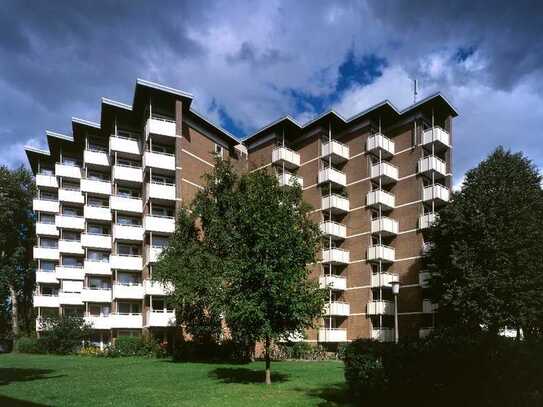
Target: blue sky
[(248, 63)]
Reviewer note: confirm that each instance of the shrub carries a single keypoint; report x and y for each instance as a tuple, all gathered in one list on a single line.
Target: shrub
[(90, 350), (299, 351), (28, 345), (364, 369), (135, 346), (63, 335), (225, 351)]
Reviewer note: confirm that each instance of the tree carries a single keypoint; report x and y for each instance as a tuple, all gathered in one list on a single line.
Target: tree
[(486, 255), (63, 334), (16, 244), (246, 245)]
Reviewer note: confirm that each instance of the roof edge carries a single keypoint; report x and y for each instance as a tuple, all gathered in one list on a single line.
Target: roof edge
[(163, 88)]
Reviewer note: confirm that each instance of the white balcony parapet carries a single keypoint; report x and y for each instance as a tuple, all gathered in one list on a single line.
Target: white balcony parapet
[(388, 173), (70, 273), (428, 307), (46, 277), (424, 332), (67, 171), (424, 279), (334, 229), (70, 222), (97, 267), (383, 279), (436, 136), (128, 232), (286, 156), (289, 179), (70, 247), (65, 298), (46, 253), (45, 205), (96, 241), (46, 229), (385, 225), (49, 301), (160, 224), (337, 151), (426, 220), (381, 253), (102, 322), (125, 173), (159, 126), (332, 335), (126, 262), (127, 321), (123, 203), (436, 192), (96, 186), (159, 318), (430, 164), (125, 145), (382, 198), (70, 195), (383, 334), (336, 203), (121, 291), (96, 295), (49, 181), (97, 213), (161, 191), (161, 161), (380, 308), (332, 175), (378, 143), (337, 308), (335, 256), (333, 282), (151, 287), (153, 253), (96, 157)]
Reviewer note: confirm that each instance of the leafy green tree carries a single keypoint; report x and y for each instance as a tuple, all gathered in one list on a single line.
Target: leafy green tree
[(16, 244), (486, 255), (63, 334), (246, 245)]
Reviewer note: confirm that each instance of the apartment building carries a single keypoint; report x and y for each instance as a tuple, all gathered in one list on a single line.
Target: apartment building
[(105, 206), (375, 182)]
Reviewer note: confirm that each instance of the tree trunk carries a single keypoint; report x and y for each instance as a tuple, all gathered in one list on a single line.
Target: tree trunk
[(14, 314), (268, 361)]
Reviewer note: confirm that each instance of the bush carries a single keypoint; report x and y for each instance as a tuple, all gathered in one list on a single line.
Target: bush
[(364, 369), (63, 335), (225, 351), (28, 345), (135, 346), (299, 351)]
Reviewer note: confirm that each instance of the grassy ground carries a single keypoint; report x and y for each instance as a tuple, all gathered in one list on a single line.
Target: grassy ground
[(41, 380)]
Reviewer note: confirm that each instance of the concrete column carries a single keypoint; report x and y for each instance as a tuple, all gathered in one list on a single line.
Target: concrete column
[(178, 146)]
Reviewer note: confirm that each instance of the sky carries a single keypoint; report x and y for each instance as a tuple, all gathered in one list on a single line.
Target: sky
[(248, 63)]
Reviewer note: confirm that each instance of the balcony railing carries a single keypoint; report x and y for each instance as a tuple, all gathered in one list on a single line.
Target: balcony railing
[(332, 175), (125, 145), (121, 291), (127, 204), (70, 195), (102, 295), (384, 171), (437, 193), (432, 164), (96, 241), (46, 229), (65, 272), (48, 301), (333, 282), (99, 321), (424, 279), (437, 137), (333, 229), (70, 221), (153, 253), (160, 224), (45, 205), (97, 213), (289, 179), (336, 203), (126, 262), (428, 307), (426, 220), (46, 253), (128, 232), (286, 156), (337, 308), (96, 157), (335, 256), (383, 279), (159, 318), (381, 253), (151, 287), (126, 321), (96, 186), (69, 298), (48, 181), (160, 126), (161, 191), (163, 161), (378, 143), (126, 173), (337, 151), (383, 334), (67, 171), (380, 308), (332, 335), (70, 246), (385, 225), (381, 198), (46, 277), (97, 267)]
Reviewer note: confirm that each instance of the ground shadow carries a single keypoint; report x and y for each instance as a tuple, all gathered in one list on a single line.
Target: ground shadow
[(10, 375), (244, 375), (8, 401), (333, 395)]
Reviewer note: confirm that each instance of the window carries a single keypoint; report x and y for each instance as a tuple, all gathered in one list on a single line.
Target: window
[(95, 255), (97, 176), (47, 171), (161, 211), (97, 202), (128, 220), (48, 243), (48, 266), (159, 241), (128, 192), (219, 150), (70, 161), (99, 310), (129, 307), (98, 283), (48, 196), (68, 211), (69, 235), (128, 332), (47, 218), (161, 179), (94, 229), (128, 250), (128, 278), (127, 134), (68, 261), (158, 304), (49, 290), (94, 146), (127, 163), (159, 149), (72, 186), (73, 311)]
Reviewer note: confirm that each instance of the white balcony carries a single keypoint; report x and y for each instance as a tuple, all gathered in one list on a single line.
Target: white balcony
[(70, 273), (383, 279), (125, 145), (122, 203), (384, 171), (46, 229), (424, 332), (333, 282), (336, 203), (332, 335), (332, 175), (67, 171), (161, 127), (432, 164), (426, 220), (286, 156), (159, 160), (49, 301), (337, 308), (96, 295), (46, 253), (159, 319), (337, 151), (383, 334), (381, 253), (289, 179), (97, 267), (70, 247), (160, 224), (437, 193), (161, 191), (96, 157), (385, 226), (380, 145), (70, 222), (127, 321), (128, 232), (335, 256), (134, 292), (124, 173), (96, 187), (436, 137), (380, 308), (424, 279), (153, 253), (333, 229), (97, 213), (48, 181), (45, 205), (99, 321), (96, 241), (70, 196), (69, 298), (126, 262), (46, 277), (428, 307), (151, 287), (382, 198)]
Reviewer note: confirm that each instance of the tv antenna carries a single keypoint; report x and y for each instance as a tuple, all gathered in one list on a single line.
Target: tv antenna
[(415, 90)]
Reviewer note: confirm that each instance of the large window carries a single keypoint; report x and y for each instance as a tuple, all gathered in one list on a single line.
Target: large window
[(99, 283), (128, 220), (96, 255), (48, 243), (97, 310), (128, 278), (128, 250), (48, 266), (69, 261), (129, 308)]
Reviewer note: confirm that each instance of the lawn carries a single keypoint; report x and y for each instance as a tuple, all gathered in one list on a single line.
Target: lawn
[(42, 380)]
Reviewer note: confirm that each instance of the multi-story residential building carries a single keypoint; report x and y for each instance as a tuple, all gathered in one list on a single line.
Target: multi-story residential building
[(107, 197)]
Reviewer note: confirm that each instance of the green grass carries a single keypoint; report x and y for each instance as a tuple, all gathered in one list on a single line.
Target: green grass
[(38, 380)]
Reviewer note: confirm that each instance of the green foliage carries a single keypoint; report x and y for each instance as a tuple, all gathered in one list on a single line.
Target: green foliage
[(63, 335), (487, 252), (134, 346), (225, 351), (300, 351), (28, 345)]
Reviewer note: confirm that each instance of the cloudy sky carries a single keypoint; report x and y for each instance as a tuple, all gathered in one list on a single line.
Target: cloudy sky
[(248, 63)]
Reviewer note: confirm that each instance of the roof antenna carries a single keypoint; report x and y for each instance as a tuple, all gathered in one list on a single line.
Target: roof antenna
[(415, 90)]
